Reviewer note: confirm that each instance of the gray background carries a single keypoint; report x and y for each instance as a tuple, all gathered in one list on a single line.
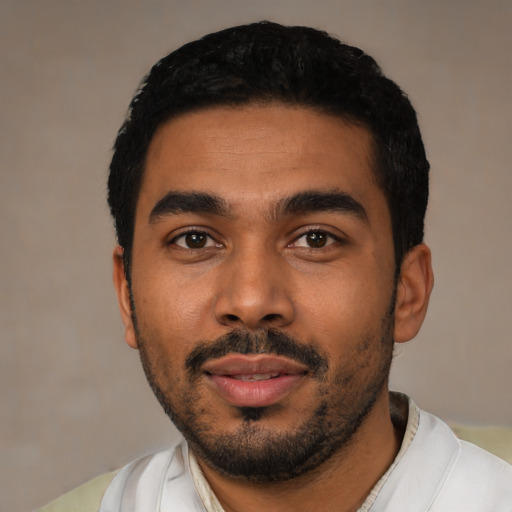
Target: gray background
[(74, 401)]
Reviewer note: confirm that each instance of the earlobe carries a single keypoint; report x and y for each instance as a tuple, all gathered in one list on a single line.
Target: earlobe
[(123, 297), (413, 292)]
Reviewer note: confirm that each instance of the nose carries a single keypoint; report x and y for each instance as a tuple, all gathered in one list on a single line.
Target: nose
[(254, 291)]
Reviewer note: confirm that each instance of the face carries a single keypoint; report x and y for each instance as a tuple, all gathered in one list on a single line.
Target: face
[(262, 285)]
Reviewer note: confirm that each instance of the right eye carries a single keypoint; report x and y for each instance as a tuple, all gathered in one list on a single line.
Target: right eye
[(315, 239), (194, 240)]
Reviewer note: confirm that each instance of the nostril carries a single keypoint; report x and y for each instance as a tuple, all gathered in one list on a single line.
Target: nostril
[(272, 317), (232, 318)]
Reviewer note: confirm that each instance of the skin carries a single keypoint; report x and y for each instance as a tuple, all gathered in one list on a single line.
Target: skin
[(258, 271)]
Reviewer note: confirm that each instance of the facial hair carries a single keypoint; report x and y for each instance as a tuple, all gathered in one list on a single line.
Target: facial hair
[(260, 454)]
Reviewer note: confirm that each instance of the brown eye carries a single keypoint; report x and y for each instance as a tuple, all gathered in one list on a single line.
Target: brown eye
[(194, 240), (316, 239)]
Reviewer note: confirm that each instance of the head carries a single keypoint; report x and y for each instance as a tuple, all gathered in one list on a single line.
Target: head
[(269, 188), (263, 63)]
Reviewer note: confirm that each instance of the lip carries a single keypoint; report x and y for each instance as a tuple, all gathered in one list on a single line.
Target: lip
[(225, 376)]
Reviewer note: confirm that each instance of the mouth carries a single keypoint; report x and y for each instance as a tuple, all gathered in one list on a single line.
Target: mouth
[(254, 380), (256, 377)]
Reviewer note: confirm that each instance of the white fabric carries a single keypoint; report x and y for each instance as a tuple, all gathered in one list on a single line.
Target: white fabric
[(161, 482), (433, 472), (413, 421), (210, 501)]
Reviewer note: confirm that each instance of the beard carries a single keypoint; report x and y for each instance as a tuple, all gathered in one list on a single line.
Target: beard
[(255, 452)]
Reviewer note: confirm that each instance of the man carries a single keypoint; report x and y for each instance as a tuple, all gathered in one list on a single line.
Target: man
[(269, 189)]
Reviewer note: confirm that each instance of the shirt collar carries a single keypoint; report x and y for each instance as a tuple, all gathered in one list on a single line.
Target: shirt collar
[(404, 412)]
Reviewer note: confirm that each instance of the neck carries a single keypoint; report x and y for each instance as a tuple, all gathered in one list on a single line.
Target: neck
[(343, 482)]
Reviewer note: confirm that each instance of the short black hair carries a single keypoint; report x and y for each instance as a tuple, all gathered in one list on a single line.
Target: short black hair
[(267, 62)]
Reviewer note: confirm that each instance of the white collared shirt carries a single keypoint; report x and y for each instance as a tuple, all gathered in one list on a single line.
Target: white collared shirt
[(433, 471)]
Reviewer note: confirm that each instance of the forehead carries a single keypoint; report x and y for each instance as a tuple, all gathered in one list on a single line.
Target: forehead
[(258, 153)]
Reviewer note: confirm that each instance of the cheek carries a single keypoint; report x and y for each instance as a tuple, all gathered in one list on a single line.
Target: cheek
[(346, 304), (170, 304)]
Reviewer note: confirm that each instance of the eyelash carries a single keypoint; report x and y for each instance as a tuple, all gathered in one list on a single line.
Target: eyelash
[(191, 233), (317, 231), (204, 236)]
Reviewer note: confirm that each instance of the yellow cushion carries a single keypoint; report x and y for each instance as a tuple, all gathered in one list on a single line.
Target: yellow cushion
[(497, 440), (86, 498)]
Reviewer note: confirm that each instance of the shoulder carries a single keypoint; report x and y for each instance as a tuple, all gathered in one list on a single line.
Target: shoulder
[(138, 485), (149, 483), (86, 498), (438, 472), (474, 479)]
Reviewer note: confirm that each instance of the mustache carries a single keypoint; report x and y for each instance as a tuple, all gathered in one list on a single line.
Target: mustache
[(271, 341)]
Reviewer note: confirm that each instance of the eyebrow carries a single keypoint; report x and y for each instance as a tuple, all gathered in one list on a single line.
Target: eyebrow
[(314, 201), (303, 203), (187, 202)]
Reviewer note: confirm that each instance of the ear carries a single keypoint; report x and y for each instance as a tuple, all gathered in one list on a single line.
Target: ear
[(413, 292), (123, 297)]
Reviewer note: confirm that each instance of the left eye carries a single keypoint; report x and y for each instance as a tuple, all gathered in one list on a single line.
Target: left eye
[(194, 240), (314, 240)]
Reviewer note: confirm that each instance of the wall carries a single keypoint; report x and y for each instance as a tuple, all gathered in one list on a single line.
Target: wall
[(74, 401)]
